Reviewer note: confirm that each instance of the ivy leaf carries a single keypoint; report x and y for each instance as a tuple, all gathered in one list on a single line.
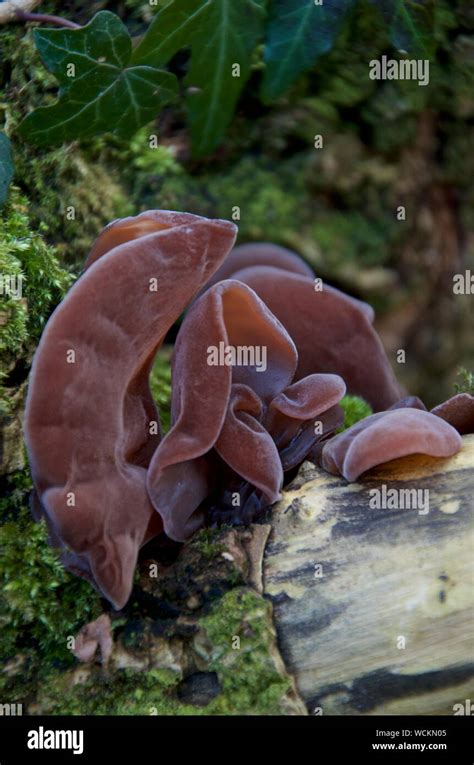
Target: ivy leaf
[(171, 30), (99, 90), (220, 34), (299, 32), (6, 167), (404, 18)]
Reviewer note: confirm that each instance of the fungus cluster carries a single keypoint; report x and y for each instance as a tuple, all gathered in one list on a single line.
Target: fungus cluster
[(106, 481)]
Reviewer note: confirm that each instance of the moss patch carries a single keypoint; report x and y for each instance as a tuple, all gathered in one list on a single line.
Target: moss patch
[(240, 635), (40, 603), (208, 542), (160, 386), (95, 692), (250, 681), (355, 409), (24, 256), (466, 382)]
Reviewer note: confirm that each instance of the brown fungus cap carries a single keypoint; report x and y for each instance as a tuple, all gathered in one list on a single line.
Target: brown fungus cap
[(333, 333), (260, 254), (89, 407), (458, 411), (387, 436)]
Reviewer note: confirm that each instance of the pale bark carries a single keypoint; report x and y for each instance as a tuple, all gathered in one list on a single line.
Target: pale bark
[(389, 578)]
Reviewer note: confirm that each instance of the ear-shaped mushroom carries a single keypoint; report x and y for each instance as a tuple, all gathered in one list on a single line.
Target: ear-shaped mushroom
[(412, 402), (293, 415), (127, 229), (265, 254), (332, 332), (458, 411), (89, 407), (386, 436), (247, 447), (228, 315), (260, 254), (300, 403), (94, 635)]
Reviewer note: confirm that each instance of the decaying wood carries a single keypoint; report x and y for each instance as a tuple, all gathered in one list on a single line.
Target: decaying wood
[(374, 608)]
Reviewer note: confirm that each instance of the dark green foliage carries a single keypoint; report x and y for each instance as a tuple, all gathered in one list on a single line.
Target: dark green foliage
[(220, 34), (298, 33), (6, 167), (406, 20), (102, 92), (116, 90)]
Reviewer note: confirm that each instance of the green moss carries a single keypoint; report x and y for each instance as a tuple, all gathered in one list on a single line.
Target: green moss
[(126, 692), (207, 542), (15, 494), (40, 603), (466, 382), (269, 205), (268, 202), (160, 385), (139, 155), (14, 314), (71, 198), (23, 251), (24, 255), (361, 241), (248, 678), (355, 409)]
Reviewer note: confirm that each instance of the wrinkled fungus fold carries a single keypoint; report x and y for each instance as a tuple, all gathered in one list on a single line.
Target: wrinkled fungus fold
[(241, 411)]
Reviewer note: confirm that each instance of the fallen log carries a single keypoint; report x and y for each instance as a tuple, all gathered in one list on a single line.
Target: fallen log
[(374, 607)]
